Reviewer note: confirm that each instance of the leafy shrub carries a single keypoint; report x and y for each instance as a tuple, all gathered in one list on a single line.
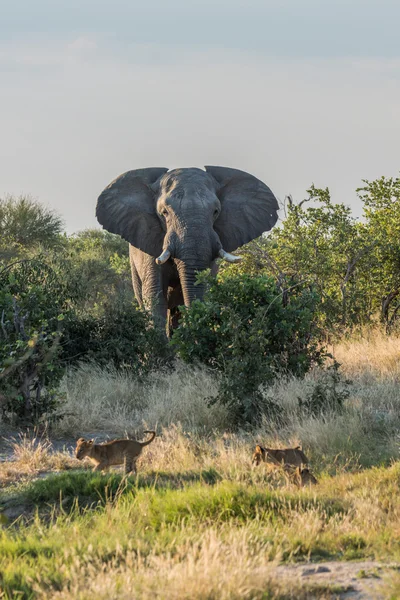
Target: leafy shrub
[(251, 332), (121, 335), (43, 329), (33, 304)]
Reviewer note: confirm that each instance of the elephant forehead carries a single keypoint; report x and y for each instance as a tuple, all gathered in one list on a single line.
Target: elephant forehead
[(186, 178)]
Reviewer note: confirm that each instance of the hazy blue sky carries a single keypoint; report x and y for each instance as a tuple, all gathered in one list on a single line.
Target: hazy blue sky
[(293, 91)]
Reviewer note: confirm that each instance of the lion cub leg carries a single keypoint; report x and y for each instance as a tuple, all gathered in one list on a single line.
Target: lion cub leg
[(101, 466), (130, 464)]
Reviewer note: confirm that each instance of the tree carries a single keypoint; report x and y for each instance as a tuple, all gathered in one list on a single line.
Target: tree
[(322, 245), (26, 222), (101, 260), (381, 199)]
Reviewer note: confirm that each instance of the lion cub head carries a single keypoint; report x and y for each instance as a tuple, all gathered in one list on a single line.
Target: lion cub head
[(83, 448), (258, 455)]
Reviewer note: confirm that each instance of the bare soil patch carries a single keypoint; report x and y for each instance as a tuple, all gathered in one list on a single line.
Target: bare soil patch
[(347, 580)]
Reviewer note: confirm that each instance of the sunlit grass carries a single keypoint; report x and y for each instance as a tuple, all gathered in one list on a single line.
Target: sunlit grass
[(151, 533)]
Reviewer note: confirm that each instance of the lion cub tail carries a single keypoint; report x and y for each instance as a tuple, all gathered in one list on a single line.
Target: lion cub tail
[(153, 434)]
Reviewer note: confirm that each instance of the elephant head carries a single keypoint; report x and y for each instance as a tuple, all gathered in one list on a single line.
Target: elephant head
[(188, 216)]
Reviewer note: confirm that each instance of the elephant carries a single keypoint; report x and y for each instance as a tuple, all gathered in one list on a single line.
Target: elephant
[(178, 222)]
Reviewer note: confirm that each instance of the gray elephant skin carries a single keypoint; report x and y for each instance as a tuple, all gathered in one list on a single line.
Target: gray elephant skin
[(179, 222)]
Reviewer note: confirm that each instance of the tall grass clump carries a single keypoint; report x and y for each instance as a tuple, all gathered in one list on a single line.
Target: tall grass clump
[(107, 399), (32, 454), (369, 356)]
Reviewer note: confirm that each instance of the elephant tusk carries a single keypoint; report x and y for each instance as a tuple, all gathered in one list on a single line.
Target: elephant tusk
[(229, 257), (164, 256)]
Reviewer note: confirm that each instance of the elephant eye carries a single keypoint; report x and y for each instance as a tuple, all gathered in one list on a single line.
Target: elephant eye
[(216, 213), (165, 212)]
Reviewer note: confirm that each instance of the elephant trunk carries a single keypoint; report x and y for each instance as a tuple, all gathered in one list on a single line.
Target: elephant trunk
[(193, 249), (187, 275)]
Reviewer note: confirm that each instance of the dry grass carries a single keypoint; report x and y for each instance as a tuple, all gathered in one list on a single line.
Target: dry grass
[(32, 455), (391, 587), (211, 568), (112, 401), (370, 356), (366, 433), (219, 567)]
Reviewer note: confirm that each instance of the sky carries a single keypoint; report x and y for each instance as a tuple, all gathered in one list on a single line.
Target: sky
[(293, 91)]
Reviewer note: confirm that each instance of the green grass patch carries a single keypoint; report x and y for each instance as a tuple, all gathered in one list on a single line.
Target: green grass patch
[(86, 486), (169, 498), (110, 519)]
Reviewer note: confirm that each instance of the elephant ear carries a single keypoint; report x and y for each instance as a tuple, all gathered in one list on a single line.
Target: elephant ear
[(248, 207), (127, 207)]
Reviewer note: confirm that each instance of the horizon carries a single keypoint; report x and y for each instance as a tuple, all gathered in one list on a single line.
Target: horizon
[(293, 95)]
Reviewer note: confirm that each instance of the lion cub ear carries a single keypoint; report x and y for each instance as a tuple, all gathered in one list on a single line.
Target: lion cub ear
[(91, 442), (80, 440)]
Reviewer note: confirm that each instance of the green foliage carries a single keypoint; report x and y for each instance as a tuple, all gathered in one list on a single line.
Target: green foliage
[(33, 304), (101, 262), (323, 244), (48, 323), (26, 222), (354, 266), (246, 330), (381, 199), (120, 334)]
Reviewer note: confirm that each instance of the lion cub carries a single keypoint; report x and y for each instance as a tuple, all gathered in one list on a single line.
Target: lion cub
[(117, 452), (301, 477), (280, 456)]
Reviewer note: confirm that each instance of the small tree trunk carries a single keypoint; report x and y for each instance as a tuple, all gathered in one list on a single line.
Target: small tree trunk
[(386, 305)]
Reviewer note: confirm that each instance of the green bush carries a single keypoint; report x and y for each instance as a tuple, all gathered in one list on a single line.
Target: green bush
[(43, 329), (120, 334), (251, 332), (33, 304)]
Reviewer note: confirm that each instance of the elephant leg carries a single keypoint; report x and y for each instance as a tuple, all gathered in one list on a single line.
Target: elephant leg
[(173, 319), (136, 281), (148, 285), (137, 285)]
